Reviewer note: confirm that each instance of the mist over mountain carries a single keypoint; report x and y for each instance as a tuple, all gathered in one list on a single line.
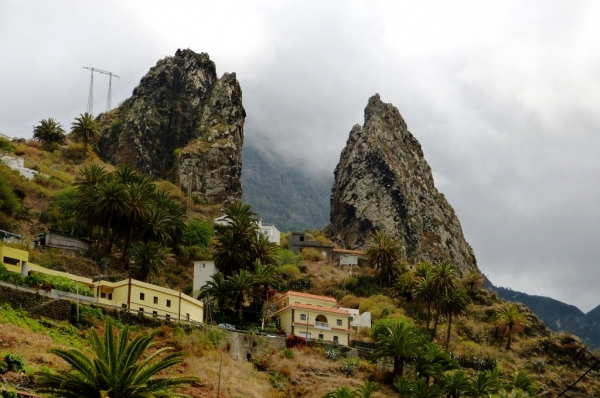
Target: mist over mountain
[(283, 192)]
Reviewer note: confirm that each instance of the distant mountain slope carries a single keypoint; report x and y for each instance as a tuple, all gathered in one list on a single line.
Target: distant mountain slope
[(283, 194), (558, 316)]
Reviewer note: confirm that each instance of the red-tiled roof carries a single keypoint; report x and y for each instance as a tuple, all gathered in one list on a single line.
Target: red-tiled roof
[(310, 296), (357, 252), (315, 308)]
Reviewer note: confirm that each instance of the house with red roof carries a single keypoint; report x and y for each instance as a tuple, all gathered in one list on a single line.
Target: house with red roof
[(312, 316)]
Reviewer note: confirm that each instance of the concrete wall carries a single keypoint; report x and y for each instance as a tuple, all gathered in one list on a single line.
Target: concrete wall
[(242, 344), (66, 242)]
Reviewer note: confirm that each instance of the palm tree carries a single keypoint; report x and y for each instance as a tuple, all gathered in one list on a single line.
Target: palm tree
[(85, 129), (457, 384), (236, 244), (265, 276), (384, 255), (401, 343), (405, 285), (524, 382), (485, 384), (264, 250), (453, 303), (215, 290), (424, 292), (510, 320), (342, 392), (423, 269), (240, 285), (445, 278), (368, 389), (138, 207), (432, 362), (473, 280), (404, 387), (150, 258), (228, 255), (49, 131), (90, 177), (422, 389), (110, 202), (117, 369)]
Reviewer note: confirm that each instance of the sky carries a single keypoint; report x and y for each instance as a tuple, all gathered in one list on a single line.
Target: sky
[(502, 95)]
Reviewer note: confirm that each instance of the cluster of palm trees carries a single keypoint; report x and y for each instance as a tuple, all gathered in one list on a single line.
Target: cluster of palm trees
[(433, 371), (126, 208), (246, 260), (85, 129), (244, 286)]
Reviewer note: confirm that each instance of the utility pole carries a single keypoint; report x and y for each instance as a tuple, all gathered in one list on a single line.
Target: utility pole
[(90, 107)]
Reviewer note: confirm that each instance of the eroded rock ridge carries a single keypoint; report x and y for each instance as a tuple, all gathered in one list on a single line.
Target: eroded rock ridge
[(182, 123), (382, 182)]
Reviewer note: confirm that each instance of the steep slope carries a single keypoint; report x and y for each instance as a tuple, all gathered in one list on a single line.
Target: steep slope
[(181, 121), (558, 316), (382, 182), (281, 193)]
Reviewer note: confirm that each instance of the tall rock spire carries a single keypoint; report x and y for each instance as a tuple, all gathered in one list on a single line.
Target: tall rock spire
[(382, 182), (182, 123)]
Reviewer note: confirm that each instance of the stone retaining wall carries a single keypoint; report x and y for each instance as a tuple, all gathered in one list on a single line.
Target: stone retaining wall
[(37, 304)]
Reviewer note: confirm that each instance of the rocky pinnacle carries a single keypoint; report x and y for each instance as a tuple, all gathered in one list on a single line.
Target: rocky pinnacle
[(382, 182), (181, 123)]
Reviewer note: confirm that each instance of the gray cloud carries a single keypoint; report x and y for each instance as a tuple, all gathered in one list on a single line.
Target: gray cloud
[(502, 96)]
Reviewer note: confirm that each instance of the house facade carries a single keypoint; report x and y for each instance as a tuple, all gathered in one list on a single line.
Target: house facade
[(298, 241), (141, 297), (19, 165), (203, 272), (271, 232), (313, 317)]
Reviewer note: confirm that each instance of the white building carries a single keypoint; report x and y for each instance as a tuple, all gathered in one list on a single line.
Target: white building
[(358, 319), (19, 165), (268, 230), (203, 272), (271, 232)]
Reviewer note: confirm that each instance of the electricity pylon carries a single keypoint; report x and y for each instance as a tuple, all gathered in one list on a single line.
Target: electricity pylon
[(90, 107)]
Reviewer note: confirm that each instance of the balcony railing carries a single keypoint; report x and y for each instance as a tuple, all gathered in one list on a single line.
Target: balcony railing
[(322, 325)]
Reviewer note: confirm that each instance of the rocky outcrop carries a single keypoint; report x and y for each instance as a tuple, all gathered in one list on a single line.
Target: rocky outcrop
[(182, 123), (382, 182)]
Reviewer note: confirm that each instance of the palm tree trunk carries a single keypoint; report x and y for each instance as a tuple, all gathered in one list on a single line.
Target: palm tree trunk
[(509, 338), (449, 327), (428, 313), (127, 244), (398, 367), (84, 150), (435, 325), (240, 309), (106, 232)]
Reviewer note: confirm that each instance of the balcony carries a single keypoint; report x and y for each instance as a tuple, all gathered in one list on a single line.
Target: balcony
[(322, 325)]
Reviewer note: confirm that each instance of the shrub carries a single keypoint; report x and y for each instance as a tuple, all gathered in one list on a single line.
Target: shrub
[(3, 367), (350, 301), (290, 272), (198, 233), (6, 145), (74, 153), (311, 254), (293, 341), (67, 285), (14, 362), (10, 393), (287, 353), (34, 280), (380, 327), (288, 257), (261, 362)]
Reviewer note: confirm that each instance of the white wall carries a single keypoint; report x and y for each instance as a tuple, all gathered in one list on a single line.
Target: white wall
[(203, 271)]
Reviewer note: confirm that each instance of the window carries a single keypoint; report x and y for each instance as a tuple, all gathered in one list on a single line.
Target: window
[(187, 317), (321, 336), (142, 295), (304, 334), (123, 305), (102, 295), (141, 309), (154, 314), (110, 296), (168, 317), (203, 265), (10, 261), (335, 339), (168, 303), (302, 317), (301, 238), (339, 322), (155, 300)]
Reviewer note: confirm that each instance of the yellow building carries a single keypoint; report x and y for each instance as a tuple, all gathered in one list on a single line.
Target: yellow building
[(312, 316), (144, 298)]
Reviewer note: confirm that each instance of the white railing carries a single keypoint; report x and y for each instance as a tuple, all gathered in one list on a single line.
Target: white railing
[(322, 325)]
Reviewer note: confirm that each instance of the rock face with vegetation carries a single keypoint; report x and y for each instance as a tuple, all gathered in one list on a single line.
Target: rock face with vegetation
[(182, 123), (382, 182)]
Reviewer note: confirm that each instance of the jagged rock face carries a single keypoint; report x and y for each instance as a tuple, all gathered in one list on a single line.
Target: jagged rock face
[(382, 182), (181, 122)]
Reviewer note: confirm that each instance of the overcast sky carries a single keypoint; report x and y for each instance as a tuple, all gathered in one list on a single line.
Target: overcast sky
[(502, 95)]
